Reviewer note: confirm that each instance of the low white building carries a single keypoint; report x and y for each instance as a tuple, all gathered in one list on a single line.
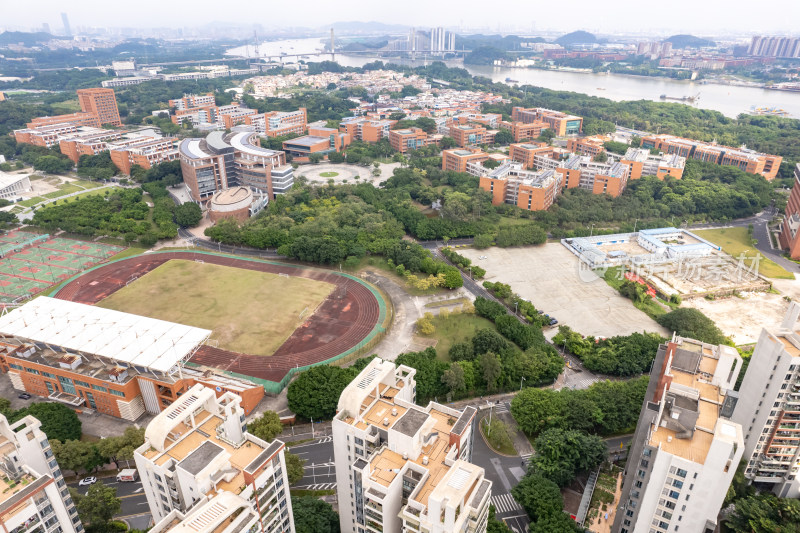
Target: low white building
[(197, 450), (12, 186)]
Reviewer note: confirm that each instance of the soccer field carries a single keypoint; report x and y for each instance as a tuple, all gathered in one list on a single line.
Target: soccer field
[(248, 311)]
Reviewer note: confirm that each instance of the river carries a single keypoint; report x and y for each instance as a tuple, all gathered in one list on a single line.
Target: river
[(731, 100)]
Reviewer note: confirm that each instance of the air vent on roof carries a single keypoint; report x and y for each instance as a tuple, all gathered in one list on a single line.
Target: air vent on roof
[(385, 421), (394, 411), (425, 460)]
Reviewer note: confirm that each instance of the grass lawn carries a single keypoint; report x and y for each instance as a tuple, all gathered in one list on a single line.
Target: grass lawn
[(498, 438), (734, 241), (248, 311), (329, 174), (89, 193), (456, 328), (32, 201)]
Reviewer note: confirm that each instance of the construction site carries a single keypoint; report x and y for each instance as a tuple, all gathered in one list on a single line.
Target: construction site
[(672, 261)]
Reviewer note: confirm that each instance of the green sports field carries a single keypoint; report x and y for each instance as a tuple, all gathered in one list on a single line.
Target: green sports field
[(248, 311)]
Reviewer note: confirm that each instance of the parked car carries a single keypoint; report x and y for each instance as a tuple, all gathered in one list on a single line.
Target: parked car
[(91, 480), (24, 396), (553, 321)]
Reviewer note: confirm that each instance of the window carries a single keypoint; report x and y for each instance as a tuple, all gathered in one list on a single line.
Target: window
[(99, 388), (117, 392), (15, 367), (681, 472), (32, 371), (82, 384)]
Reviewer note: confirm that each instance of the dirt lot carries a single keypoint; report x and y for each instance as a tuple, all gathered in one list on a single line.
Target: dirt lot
[(549, 276), (743, 318)]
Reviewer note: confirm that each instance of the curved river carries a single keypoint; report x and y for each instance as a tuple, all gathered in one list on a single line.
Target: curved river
[(731, 100)]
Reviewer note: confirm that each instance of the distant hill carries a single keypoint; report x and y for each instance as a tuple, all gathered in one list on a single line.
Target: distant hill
[(689, 41), (27, 38), (576, 37)]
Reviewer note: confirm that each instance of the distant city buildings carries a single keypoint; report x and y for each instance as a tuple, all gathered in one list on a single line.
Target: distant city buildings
[(654, 49), (783, 47), (743, 158), (203, 472), (401, 467), (442, 41), (34, 495), (686, 448), (768, 409)]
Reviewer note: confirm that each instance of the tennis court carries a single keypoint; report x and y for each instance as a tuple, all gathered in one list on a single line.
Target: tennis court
[(32, 262)]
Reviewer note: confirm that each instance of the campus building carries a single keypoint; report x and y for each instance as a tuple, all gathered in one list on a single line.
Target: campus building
[(641, 162), (144, 151), (458, 159), (107, 361), (102, 103), (768, 408), (319, 140), (13, 185), (743, 158), (221, 161), (408, 139), (530, 190), (402, 467), (488, 120), (581, 171), (685, 450), (34, 495), (467, 135), (561, 123), (198, 463), (278, 123), (788, 236), (193, 101), (526, 153), (366, 129), (589, 146), (522, 131), (48, 131)]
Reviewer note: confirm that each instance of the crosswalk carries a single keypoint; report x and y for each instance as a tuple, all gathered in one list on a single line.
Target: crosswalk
[(501, 407), (584, 383), (505, 503), (318, 486)]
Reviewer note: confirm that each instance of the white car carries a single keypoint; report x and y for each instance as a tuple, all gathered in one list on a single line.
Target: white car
[(91, 480)]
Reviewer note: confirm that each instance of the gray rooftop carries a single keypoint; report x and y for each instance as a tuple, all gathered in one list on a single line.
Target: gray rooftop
[(308, 140), (410, 422), (271, 450), (463, 421), (196, 461)]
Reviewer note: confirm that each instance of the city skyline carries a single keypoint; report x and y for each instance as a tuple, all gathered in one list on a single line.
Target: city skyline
[(542, 17)]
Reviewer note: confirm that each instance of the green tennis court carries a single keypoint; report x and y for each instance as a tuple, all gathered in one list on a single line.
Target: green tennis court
[(94, 249)]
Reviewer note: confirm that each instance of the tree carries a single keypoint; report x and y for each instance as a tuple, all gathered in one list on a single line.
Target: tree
[(493, 525), (562, 454), (453, 377), (540, 497), (483, 241), (312, 515), (315, 393), (52, 164), (452, 278), (692, 323), (99, 505), (429, 373), (546, 136), (461, 351), (503, 137), (294, 467), (58, 421), (491, 163), (188, 215), (601, 157), (315, 157), (446, 143), (491, 369), (487, 340), (267, 426), (765, 513)]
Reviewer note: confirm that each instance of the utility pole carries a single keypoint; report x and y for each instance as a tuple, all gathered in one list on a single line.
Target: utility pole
[(333, 47)]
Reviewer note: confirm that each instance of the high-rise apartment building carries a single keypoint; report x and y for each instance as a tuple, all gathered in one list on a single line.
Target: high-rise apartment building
[(198, 462), (789, 237), (685, 450), (402, 467), (33, 493), (768, 408), (100, 102), (774, 46), (442, 41)]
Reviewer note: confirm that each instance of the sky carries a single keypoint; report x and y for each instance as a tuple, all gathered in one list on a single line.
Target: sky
[(700, 17)]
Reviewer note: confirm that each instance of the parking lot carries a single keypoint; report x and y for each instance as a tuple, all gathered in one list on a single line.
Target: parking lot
[(549, 276)]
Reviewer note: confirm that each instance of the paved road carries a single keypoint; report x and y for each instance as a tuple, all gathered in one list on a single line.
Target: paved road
[(320, 473), (134, 503)]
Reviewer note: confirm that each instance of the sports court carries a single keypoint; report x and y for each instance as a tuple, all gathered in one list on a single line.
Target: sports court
[(31, 262)]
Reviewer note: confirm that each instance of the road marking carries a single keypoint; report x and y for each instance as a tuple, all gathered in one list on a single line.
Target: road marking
[(318, 486), (140, 489), (505, 503)]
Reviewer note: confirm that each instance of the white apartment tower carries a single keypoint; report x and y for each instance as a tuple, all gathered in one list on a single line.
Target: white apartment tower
[(685, 450), (33, 493), (198, 451), (768, 408), (402, 467)]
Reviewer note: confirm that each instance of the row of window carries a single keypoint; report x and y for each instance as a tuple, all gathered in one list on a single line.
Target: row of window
[(77, 382)]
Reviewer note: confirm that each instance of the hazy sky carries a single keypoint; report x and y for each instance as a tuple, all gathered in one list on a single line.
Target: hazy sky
[(703, 17)]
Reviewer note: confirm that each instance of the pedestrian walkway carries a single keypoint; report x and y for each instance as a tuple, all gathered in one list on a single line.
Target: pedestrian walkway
[(505, 503), (318, 486)]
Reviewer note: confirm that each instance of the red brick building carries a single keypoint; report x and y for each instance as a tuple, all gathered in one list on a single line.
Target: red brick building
[(789, 237), (102, 103)]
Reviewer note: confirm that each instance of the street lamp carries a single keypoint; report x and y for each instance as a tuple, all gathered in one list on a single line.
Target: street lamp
[(634, 225), (592, 231), (520, 382)]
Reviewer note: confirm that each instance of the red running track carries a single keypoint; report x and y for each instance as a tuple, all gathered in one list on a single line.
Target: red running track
[(342, 321)]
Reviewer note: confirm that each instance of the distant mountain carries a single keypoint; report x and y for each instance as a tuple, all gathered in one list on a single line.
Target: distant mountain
[(27, 38), (689, 41), (576, 37), (367, 27)]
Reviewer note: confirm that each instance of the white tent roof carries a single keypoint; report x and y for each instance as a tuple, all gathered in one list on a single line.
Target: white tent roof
[(155, 344)]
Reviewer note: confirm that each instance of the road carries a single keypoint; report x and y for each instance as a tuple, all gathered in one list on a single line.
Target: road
[(134, 503)]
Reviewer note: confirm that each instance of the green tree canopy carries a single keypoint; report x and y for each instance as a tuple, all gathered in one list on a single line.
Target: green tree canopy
[(563, 454), (692, 323), (188, 215), (58, 421), (99, 505), (312, 515), (315, 393), (267, 426)]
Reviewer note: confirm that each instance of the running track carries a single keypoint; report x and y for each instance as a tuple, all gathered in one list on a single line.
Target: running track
[(343, 320)]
